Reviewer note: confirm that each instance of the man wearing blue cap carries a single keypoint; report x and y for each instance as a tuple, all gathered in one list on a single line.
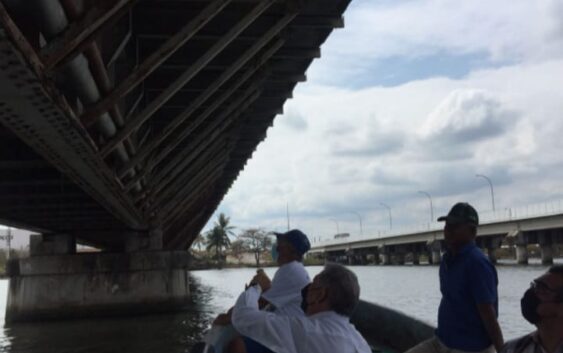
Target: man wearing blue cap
[(282, 295), (467, 316)]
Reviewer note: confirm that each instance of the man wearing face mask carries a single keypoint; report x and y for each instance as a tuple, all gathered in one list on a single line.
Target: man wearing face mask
[(546, 291), (282, 295), (328, 303), (467, 316)]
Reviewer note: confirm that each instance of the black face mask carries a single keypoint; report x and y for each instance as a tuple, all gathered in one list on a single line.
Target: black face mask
[(304, 292), (529, 305)]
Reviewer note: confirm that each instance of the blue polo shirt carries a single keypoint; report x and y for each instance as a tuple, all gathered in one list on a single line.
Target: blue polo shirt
[(466, 279)]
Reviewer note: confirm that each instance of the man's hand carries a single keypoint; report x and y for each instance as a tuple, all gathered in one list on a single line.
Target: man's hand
[(223, 319), (262, 280), (489, 318)]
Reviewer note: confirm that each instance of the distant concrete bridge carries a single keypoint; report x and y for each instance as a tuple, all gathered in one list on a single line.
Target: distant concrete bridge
[(544, 230)]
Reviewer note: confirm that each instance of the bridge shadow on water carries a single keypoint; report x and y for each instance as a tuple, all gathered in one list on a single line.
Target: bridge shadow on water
[(170, 333)]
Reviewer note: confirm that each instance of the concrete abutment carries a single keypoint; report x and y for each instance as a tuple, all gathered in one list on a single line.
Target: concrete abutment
[(55, 285)]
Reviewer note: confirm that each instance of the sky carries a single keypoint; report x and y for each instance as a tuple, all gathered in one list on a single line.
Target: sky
[(414, 96)]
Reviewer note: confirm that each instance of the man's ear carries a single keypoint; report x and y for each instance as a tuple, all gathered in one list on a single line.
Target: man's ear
[(322, 295)]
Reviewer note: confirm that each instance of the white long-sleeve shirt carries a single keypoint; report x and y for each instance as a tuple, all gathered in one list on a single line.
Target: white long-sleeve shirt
[(285, 292), (324, 332)]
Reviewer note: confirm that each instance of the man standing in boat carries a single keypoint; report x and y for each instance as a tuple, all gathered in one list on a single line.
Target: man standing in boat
[(467, 316)]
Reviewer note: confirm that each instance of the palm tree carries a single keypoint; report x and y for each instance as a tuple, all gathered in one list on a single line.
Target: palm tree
[(218, 236), (199, 241)]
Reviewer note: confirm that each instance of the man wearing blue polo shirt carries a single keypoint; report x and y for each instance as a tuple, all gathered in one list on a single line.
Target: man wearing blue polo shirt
[(467, 317)]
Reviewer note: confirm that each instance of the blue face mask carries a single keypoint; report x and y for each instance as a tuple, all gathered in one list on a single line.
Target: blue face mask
[(274, 252)]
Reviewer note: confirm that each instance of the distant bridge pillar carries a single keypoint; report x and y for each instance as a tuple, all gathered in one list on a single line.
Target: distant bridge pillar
[(385, 256), (493, 245), (399, 258), (376, 258), (436, 252), (522, 254), (56, 283), (416, 257), (546, 245), (521, 241), (350, 257)]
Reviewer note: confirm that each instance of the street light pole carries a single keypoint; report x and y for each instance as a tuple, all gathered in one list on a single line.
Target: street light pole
[(287, 214), (360, 218), (491, 185), (390, 216), (431, 206), (335, 222)]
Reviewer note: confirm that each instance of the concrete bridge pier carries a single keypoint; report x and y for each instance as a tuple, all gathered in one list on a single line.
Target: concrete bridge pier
[(546, 245), (520, 240), (416, 258), (436, 252), (385, 256), (492, 245), (376, 258), (399, 258), (55, 282), (522, 254)]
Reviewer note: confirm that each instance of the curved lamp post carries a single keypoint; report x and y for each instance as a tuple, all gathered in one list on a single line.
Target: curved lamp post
[(360, 218), (335, 222), (431, 206), (390, 216), (491, 185)]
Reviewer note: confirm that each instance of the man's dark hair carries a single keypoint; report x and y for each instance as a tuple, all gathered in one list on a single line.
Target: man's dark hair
[(343, 288), (556, 269)]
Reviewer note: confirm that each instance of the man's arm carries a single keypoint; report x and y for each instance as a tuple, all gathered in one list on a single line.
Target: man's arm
[(489, 317), (272, 331), (483, 280)]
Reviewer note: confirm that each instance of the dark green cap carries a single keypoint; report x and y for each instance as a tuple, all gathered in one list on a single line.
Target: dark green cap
[(462, 212)]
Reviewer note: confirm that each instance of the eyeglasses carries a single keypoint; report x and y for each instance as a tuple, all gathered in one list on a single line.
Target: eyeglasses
[(540, 286)]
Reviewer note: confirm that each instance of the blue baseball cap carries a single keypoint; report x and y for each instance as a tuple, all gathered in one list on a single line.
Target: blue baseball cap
[(297, 238)]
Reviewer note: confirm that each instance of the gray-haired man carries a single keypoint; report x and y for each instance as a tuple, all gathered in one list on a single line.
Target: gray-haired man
[(328, 303)]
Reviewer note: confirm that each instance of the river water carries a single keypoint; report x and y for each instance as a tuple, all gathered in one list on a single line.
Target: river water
[(410, 289)]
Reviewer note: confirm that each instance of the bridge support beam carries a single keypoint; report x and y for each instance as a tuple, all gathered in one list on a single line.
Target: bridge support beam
[(57, 286), (492, 246), (522, 254), (436, 252), (385, 258), (547, 255), (399, 258), (546, 246), (416, 258)]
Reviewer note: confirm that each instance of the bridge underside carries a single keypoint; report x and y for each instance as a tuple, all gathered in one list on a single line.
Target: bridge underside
[(128, 117)]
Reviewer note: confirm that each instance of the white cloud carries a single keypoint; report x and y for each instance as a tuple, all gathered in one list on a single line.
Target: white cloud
[(308, 170), (502, 31)]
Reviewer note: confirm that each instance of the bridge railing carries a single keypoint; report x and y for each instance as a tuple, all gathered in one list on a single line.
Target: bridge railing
[(506, 214)]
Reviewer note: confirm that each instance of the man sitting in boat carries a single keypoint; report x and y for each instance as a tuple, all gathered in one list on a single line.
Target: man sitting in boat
[(542, 306), (282, 295), (327, 302), (467, 316)]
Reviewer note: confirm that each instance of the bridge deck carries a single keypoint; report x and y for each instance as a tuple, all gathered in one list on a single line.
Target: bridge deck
[(123, 116)]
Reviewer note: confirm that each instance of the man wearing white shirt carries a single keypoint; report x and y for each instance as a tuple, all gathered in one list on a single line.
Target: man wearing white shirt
[(282, 295), (328, 302)]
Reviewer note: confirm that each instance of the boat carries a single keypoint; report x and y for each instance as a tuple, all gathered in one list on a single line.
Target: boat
[(386, 330)]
